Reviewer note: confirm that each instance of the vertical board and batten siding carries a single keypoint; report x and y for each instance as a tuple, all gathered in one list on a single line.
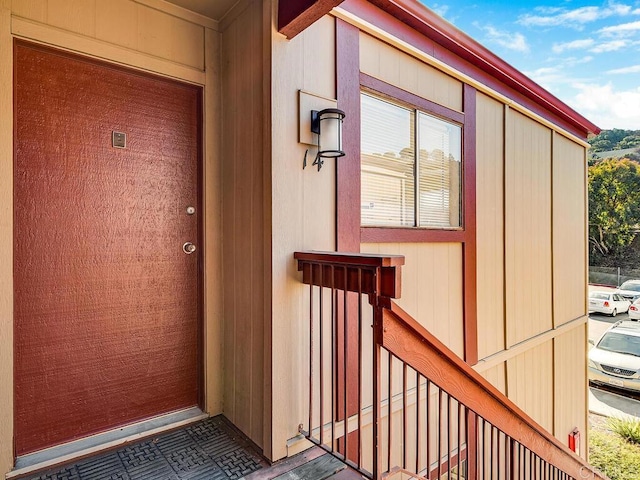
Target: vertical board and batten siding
[(124, 23), (569, 234), (497, 376), (212, 202), (243, 226), (6, 238), (525, 188), (530, 383), (490, 225), (408, 73), (431, 287), (570, 385), (527, 228), (303, 216)]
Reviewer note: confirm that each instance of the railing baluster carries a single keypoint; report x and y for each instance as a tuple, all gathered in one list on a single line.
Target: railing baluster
[(418, 422), (311, 353), (404, 415), (389, 412), (439, 426), (359, 368), (428, 418), (448, 436), (346, 362), (334, 358), (459, 450), (493, 458), (321, 363)]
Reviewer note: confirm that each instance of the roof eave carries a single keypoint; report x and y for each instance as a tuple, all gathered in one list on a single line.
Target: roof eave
[(294, 16)]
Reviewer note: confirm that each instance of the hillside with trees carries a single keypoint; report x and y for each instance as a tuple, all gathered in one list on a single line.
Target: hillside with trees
[(615, 139), (614, 199)]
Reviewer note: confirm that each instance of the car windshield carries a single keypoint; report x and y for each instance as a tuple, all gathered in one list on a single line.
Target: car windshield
[(620, 343), (633, 286), (600, 296)]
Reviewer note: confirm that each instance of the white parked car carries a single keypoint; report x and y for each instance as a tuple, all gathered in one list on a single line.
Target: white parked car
[(630, 289), (609, 303), (615, 360), (634, 310)]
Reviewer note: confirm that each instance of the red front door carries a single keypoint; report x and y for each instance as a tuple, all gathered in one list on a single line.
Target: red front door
[(107, 317)]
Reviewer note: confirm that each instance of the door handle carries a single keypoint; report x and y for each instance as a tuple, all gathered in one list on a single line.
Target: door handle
[(188, 248)]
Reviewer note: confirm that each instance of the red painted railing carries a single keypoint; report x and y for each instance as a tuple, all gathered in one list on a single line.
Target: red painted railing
[(390, 400)]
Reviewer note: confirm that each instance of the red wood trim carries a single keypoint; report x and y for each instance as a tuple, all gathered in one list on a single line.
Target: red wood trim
[(201, 260), (412, 343), (348, 168), (350, 259), (472, 445), (410, 235), (296, 15), (415, 24), (403, 96), (469, 253), (348, 278), (348, 202)]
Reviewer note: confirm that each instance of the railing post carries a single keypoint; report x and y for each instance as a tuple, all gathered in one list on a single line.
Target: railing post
[(377, 400), (377, 394)]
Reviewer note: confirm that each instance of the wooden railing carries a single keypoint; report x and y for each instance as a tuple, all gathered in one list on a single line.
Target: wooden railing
[(390, 400)]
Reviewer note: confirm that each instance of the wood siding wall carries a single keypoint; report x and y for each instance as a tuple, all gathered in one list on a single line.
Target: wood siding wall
[(530, 219), (431, 287), (303, 215), (123, 23), (527, 228), (570, 384), (390, 65), (569, 246), (490, 225), (243, 221)]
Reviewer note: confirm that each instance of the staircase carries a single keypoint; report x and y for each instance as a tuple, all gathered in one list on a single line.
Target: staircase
[(391, 401)]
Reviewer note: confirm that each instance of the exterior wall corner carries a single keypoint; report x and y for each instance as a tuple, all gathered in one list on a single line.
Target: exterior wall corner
[(6, 238)]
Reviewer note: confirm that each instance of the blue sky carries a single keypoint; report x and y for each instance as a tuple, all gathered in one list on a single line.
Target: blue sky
[(585, 53)]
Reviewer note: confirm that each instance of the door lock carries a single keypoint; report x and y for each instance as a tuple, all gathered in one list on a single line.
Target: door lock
[(188, 248)]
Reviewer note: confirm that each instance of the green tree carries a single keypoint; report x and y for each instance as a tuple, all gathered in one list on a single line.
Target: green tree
[(614, 207), (629, 142)]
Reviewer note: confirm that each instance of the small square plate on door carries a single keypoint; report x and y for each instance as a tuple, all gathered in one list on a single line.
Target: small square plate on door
[(119, 139)]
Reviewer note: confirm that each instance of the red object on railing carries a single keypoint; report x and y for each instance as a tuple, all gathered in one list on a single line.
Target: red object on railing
[(407, 405)]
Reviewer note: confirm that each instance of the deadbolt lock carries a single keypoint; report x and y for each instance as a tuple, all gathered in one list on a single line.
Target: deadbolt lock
[(188, 248)]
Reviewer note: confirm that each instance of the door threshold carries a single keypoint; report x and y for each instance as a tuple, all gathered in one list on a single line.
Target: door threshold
[(84, 447)]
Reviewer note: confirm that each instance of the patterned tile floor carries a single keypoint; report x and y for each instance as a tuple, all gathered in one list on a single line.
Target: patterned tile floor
[(211, 449)]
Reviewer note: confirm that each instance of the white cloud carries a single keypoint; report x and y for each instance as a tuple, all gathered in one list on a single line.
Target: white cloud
[(553, 79), (574, 45), (611, 46), (624, 70), (513, 41), (572, 61), (620, 30), (608, 108), (575, 18), (440, 9)]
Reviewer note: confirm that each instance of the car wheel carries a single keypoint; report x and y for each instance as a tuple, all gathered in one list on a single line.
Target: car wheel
[(614, 313)]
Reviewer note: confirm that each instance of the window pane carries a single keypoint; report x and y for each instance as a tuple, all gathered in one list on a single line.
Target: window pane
[(388, 163), (439, 166)]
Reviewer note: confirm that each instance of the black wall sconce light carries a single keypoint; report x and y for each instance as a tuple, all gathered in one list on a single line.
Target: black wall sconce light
[(327, 124)]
